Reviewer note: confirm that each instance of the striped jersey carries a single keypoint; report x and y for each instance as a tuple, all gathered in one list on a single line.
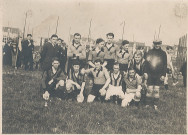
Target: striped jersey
[(116, 79)]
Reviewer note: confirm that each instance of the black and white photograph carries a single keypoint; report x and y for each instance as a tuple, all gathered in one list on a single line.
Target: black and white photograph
[(94, 66)]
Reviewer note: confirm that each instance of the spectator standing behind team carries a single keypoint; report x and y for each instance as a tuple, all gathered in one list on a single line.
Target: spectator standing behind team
[(97, 53), (124, 56), (49, 51), (7, 55), (110, 50), (76, 51), (155, 70), (62, 53), (27, 51)]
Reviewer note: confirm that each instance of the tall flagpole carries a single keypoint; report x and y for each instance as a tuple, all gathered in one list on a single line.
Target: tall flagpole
[(89, 35), (159, 31), (57, 25), (123, 29), (24, 25)]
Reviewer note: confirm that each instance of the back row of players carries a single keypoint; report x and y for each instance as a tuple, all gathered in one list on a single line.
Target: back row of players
[(116, 73)]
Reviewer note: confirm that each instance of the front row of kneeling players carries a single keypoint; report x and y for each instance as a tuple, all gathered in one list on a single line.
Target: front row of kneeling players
[(115, 85)]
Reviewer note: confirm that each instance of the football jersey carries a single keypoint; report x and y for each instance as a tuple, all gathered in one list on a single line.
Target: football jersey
[(123, 57), (110, 53)]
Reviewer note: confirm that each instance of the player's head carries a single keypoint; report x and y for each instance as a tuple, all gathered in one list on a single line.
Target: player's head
[(76, 66), (55, 62), (169, 49), (29, 36), (100, 42), (131, 72), (110, 37), (157, 44), (98, 63), (77, 38), (125, 45), (138, 55), (116, 67), (53, 39), (59, 41)]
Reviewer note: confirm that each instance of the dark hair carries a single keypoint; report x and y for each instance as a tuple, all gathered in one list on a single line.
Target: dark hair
[(75, 62), (131, 68), (60, 39), (98, 60), (124, 42), (54, 35), (110, 34), (77, 34), (116, 63), (169, 47), (29, 35), (55, 59), (99, 40)]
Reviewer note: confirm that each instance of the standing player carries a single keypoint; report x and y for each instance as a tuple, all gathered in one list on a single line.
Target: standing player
[(155, 70), (97, 53), (124, 56), (101, 81), (110, 50), (76, 51)]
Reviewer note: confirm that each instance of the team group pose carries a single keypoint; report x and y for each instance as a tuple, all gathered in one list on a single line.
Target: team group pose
[(117, 74)]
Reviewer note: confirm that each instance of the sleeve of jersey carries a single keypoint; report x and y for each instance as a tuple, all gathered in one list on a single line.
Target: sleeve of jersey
[(107, 76)]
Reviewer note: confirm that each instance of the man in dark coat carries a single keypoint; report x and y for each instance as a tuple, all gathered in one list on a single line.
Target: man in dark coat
[(7, 55), (49, 51), (28, 49), (62, 53)]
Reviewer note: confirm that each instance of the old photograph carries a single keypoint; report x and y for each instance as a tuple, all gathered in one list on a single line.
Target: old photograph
[(94, 66)]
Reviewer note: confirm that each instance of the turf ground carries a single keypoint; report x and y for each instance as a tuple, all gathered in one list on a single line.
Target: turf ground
[(23, 111)]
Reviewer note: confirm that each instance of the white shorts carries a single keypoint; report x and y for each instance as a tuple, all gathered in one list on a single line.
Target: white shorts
[(129, 97), (114, 91)]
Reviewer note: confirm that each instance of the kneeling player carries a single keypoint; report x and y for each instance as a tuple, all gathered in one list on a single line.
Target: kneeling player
[(75, 83), (53, 81), (133, 88), (115, 89), (101, 81)]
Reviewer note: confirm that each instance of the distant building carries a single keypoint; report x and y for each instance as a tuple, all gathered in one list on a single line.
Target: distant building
[(10, 33)]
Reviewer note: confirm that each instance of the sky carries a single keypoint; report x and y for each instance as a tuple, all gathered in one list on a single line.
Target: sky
[(142, 18)]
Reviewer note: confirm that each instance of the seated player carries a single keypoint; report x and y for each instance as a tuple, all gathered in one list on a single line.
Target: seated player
[(101, 81), (75, 83), (133, 88), (138, 63), (116, 86), (53, 81), (124, 56), (97, 53)]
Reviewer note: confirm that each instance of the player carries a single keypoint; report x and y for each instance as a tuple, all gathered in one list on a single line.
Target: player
[(97, 53), (155, 70), (110, 50), (124, 56), (133, 88), (101, 81), (116, 86)]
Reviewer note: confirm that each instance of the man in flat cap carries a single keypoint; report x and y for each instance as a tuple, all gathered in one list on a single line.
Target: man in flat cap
[(155, 71)]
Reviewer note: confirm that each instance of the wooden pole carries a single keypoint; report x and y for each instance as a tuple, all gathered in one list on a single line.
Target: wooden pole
[(89, 35), (159, 31), (123, 30), (48, 31), (24, 25), (57, 25)]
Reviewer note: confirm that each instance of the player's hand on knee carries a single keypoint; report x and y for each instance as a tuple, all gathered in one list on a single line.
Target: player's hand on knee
[(61, 82), (78, 86), (162, 78), (145, 76), (50, 82), (102, 92)]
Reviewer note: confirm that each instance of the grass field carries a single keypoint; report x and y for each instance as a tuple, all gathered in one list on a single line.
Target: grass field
[(23, 111)]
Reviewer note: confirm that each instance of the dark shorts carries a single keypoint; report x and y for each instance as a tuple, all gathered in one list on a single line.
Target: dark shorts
[(110, 64), (154, 80), (95, 89), (123, 67)]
